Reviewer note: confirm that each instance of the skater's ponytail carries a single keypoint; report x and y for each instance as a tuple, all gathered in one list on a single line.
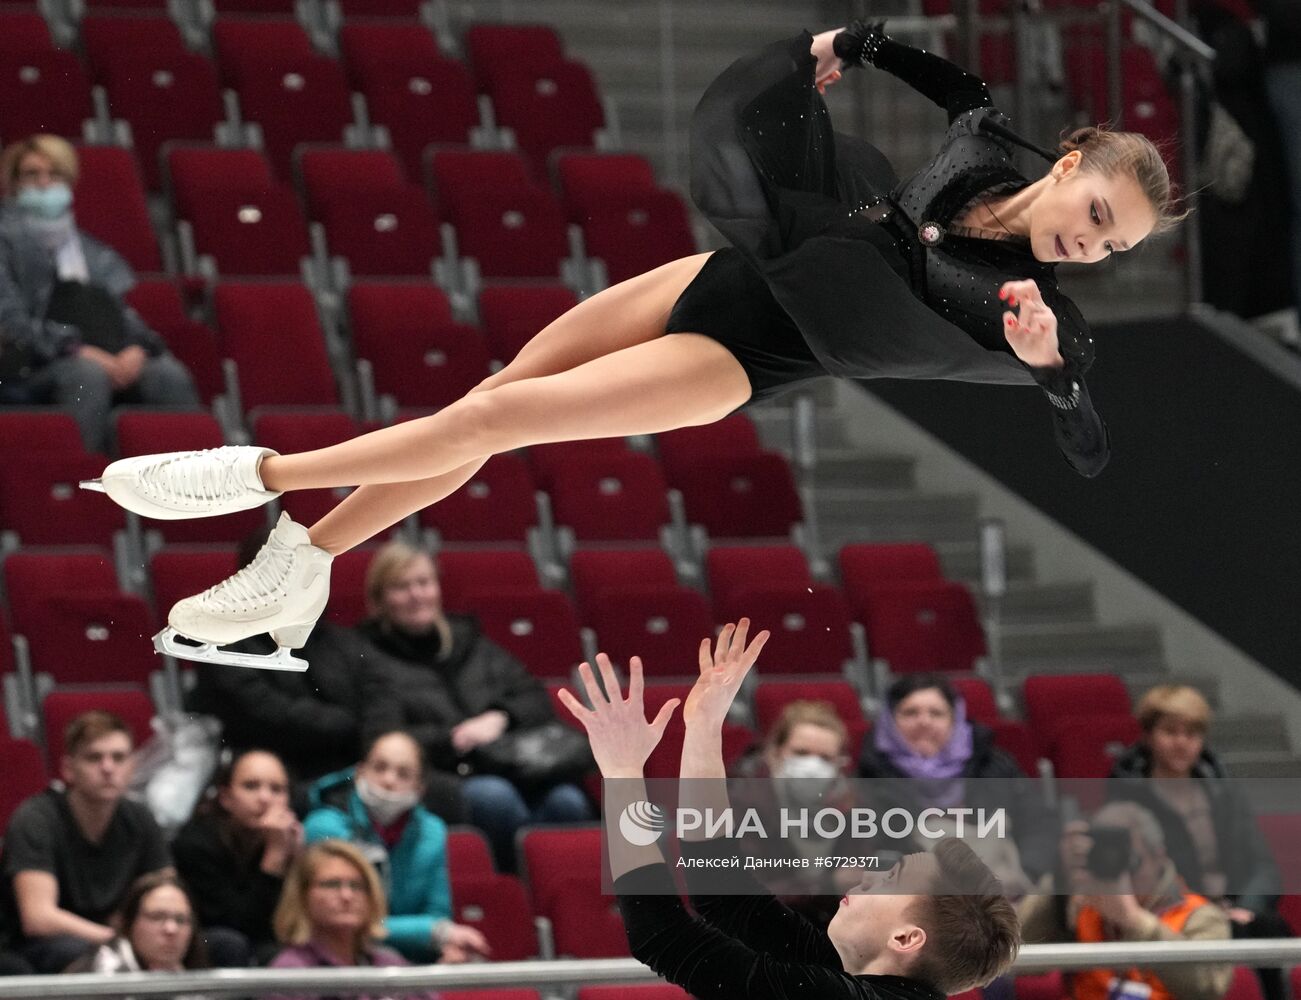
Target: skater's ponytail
[(1111, 153)]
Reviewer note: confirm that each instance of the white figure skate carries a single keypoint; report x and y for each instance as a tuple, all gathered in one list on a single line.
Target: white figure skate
[(282, 591), (183, 484)]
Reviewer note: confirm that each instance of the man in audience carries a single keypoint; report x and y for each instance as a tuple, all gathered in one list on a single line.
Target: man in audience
[(70, 855), (67, 336), (1146, 901)]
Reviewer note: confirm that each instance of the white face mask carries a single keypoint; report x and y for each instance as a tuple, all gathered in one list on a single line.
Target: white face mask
[(384, 806), (806, 777)]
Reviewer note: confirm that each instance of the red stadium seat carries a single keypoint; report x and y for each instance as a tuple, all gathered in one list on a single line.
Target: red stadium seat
[(252, 317), (512, 314), (249, 45), (43, 92), (347, 605), (551, 461), (866, 566), (1041, 986), (61, 707), (459, 174), (381, 309), (596, 572), (735, 568), (770, 697), (164, 98), (1016, 738), (195, 173), (178, 573), (463, 576), (111, 205), (585, 923), (146, 432), (23, 32), (611, 497), (740, 496), (497, 504), (1049, 698), (498, 907), (924, 626), (649, 991), (511, 233), (590, 181), (115, 38), (733, 435), (547, 108), (251, 233), (332, 175), (507, 993), (551, 854), (494, 48), (468, 853), (538, 628), (41, 502), (158, 301), (25, 773), (389, 232), (46, 431), (421, 363), (292, 431), (979, 699), (662, 625), (665, 759), (31, 576), (1245, 985), (808, 624), (91, 636), (638, 232), (1087, 746)]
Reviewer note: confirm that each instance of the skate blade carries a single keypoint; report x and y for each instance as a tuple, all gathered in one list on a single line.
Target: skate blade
[(209, 652), (93, 484)]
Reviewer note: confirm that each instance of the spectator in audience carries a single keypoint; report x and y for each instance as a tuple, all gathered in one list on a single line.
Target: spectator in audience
[(376, 806), (1283, 84), (923, 740), (71, 855), (311, 720), (156, 932), (1210, 832), (234, 853), (67, 335), (454, 690), (332, 913), (11, 963), (801, 763), (1147, 902)]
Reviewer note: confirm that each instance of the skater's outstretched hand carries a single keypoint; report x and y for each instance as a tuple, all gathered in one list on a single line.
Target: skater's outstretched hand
[(616, 727), (1031, 330), (722, 670)]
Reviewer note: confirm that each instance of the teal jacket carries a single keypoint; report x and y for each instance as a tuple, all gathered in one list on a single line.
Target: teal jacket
[(415, 877)]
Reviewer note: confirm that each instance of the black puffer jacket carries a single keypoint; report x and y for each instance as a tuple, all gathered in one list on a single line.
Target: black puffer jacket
[(428, 694), (1253, 878), (1032, 828)]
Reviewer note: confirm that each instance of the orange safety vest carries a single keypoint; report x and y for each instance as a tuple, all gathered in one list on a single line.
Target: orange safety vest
[(1095, 984)]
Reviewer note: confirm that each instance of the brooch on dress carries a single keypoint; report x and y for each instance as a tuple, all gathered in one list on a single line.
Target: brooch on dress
[(930, 233)]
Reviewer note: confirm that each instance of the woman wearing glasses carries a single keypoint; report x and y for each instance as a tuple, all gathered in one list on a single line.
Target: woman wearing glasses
[(157, 932)]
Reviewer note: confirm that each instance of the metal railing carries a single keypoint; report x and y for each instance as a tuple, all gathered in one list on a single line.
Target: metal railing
[(569, 972)]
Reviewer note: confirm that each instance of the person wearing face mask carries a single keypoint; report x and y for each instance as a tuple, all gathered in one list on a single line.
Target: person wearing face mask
[(801, 764), (1208, 824), (929, 754), (67, 336), (234, 853), (376, 806)]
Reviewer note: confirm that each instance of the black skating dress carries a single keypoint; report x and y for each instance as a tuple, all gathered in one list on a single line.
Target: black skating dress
[(836, 268)]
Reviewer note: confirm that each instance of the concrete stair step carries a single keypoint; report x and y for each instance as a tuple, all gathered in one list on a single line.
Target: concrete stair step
[(851, 469), (961, 561), (1262, 764), (1077, 648), (858, 515), (1028, 603), (1250, 732)]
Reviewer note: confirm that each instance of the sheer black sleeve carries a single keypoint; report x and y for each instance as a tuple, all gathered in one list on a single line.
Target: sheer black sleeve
[(709, 964), (1080, 432), (749, 912), (932, 76)]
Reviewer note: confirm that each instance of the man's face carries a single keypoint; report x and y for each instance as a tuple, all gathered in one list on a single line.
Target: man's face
[(876, 916), (101, 769)]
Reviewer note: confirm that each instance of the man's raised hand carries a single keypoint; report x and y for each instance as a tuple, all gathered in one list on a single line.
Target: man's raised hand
[(617, 729), (722, 670)]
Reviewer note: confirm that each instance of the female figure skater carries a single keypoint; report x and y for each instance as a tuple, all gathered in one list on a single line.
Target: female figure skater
[(834, 269)]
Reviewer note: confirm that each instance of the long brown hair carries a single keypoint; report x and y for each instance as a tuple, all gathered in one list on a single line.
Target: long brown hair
[(1110, 153), (196, 955)]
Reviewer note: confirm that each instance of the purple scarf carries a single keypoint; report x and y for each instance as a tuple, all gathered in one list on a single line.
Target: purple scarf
[(939, 770)]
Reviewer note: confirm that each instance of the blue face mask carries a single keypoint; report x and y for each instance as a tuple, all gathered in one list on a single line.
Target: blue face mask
[(48, 202)]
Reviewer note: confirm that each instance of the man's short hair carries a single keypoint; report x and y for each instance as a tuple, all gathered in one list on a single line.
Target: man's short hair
[(972, 929), (1174, 701), (86, 728)]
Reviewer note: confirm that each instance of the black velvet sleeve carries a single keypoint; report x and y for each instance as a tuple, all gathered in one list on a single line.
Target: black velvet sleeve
[(1079, 431), (706, 962), (932, 76), (739, 906)]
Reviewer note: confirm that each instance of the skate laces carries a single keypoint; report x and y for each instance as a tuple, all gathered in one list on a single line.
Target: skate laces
[(257, 583), (196, 475)]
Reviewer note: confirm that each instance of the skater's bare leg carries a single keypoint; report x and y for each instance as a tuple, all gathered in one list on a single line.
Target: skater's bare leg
[(673, 381), (631, 312)]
